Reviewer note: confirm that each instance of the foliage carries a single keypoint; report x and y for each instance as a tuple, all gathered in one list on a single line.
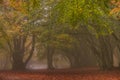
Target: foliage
[(115, 12), (18, 29), (58, 24), (92, 13)]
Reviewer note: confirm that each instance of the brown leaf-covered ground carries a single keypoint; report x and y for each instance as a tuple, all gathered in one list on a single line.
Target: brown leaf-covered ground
[(60, 75)]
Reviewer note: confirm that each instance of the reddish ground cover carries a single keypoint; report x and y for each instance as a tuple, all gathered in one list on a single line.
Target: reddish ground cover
[(60, 75)]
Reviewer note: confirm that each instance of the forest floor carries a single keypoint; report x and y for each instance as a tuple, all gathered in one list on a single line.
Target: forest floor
[(60, 75)]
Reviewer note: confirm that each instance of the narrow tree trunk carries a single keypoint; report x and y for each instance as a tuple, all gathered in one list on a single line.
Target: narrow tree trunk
[(32, 50), (106, 53), (71, 59), (76, 60), (50, 58)]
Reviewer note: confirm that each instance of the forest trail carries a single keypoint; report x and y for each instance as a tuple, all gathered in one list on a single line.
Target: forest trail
[(60, 75)]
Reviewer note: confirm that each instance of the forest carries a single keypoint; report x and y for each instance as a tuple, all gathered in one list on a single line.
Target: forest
[(59, 39), (61, 34)]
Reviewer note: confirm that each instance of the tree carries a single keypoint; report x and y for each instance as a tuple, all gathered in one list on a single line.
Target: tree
[(93, 18), (58, 25), (18, 30)]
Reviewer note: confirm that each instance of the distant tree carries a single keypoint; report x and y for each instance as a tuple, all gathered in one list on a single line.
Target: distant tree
[(87, 18)]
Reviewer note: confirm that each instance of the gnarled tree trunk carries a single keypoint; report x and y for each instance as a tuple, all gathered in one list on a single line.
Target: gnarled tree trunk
[(19, 52)]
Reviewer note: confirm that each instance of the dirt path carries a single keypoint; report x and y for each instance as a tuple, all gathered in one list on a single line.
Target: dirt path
[(60, 75)]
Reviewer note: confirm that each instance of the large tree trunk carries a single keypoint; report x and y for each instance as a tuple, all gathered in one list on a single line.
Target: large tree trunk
[(19, 52), (18, 63)]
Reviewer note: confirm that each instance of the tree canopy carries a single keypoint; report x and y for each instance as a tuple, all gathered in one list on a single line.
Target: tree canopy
[(57, 25)]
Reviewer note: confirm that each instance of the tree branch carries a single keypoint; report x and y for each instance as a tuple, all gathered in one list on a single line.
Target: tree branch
[(32, 49)]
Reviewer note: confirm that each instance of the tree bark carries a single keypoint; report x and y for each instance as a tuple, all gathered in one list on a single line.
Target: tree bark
[(18, 54), (32, 49), (106, 53), (18, 63), (19, 51), (50, 58)]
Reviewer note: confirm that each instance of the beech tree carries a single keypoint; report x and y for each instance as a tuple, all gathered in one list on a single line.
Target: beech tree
[(88, 17), (18, 30), (57, 25)]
